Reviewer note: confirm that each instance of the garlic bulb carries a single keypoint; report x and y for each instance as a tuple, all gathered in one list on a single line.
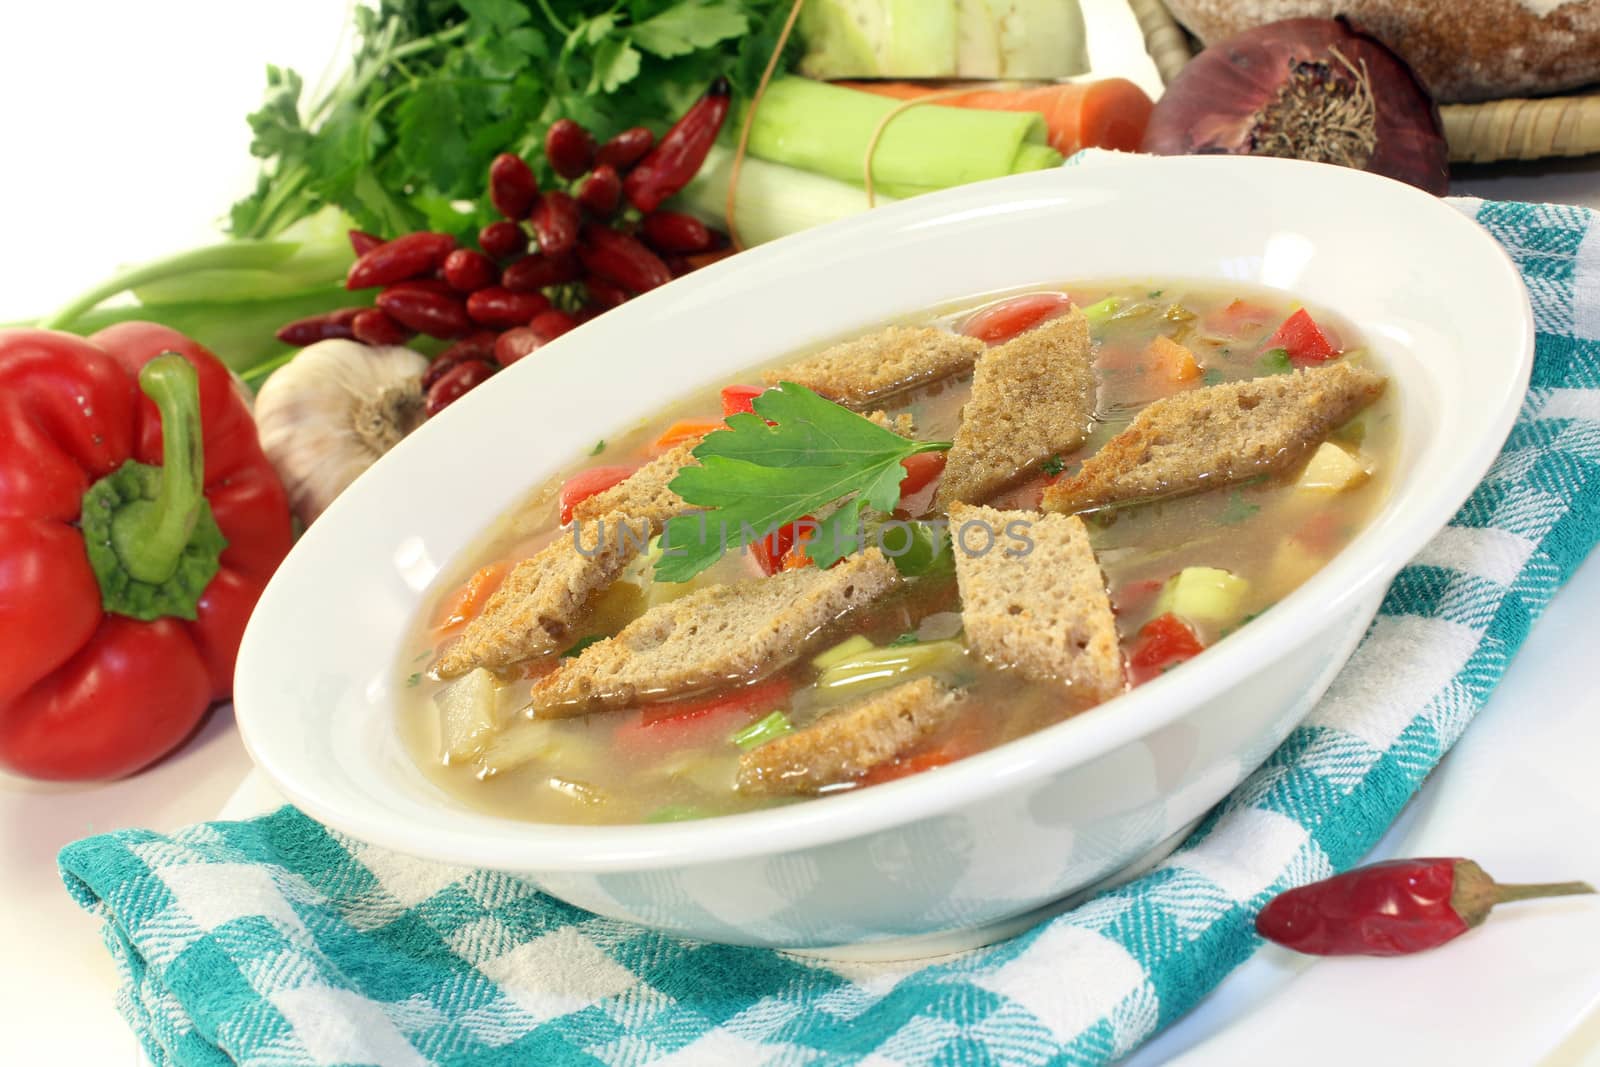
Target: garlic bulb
[(329, 413)]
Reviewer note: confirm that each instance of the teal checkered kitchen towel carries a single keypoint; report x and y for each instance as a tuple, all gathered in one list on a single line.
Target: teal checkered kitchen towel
[(278, 941)]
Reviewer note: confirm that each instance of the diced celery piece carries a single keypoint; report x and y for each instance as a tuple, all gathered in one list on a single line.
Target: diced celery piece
[(762, 730), (1331, 470), (676, 813), (844, 650), (1276, 362), (1100, 311), (1203, 594), (884, 667), (468, 714)]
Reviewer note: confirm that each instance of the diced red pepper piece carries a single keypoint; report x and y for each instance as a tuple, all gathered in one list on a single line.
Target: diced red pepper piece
[(773, 553), (1003, 321), (1163, 643), (1236, 317), (921, 469), (740, 399), (1303, 339), (586, 483), (683, 722)]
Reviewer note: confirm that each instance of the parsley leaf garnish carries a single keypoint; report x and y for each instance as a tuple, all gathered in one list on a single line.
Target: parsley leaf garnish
[(795, 456), (1053, 466), (1238, 510)]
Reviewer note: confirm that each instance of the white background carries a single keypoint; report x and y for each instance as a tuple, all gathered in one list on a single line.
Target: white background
[(123, 134)]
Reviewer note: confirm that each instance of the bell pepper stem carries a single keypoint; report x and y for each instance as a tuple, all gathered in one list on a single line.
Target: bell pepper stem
[(149, 536)]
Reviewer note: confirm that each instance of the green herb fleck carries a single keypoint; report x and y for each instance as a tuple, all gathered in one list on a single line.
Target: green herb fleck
[(1213, 375), (420, 656), (599, 447), (1154, 293), (583, 643), (796, 455), (413, 680), (675, 813), (907, 638), (1276, 362), (1054, 466), (1238, 510)]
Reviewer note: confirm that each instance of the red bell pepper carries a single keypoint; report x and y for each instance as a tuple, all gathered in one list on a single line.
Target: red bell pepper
[(136, 533), (1163, 643), (1304, 340), (587, 483)]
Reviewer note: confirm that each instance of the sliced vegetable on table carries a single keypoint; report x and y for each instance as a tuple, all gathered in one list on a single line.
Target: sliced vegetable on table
[(136, 533)]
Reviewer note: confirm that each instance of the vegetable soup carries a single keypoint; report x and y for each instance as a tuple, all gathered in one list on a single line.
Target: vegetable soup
[(873, 559)]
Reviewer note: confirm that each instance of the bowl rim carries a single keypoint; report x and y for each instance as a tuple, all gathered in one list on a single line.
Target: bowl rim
[(1357, 571)]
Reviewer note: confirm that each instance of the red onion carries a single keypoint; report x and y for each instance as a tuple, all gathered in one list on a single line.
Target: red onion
[(1317, 89)]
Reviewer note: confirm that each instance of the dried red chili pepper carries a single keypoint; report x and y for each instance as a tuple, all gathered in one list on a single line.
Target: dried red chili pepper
[(1393, 908), (678, 157), (330, 325)]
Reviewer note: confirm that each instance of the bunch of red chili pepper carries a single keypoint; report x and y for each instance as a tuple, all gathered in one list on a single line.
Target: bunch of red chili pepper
[(557, 257)]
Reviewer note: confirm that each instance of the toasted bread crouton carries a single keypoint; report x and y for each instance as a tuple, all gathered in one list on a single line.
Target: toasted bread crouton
[(1217, 436), (1032, 398), (533, 612), (849, 742), (711, 637), (644, 493), (1043, 611), (858, 373)]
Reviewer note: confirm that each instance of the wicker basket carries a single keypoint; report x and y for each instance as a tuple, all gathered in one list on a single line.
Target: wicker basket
[(1477, 133)]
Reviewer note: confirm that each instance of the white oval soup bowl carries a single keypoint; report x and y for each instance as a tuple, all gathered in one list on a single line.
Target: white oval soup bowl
[(968, 852)]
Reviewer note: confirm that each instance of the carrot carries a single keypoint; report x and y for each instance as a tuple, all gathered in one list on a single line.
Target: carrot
[(467, 603), (1111, 113), (1173, 361), (686, 430)]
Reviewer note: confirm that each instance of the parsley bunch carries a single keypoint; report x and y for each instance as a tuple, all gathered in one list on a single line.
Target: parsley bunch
[(437, 88), (798, 454)]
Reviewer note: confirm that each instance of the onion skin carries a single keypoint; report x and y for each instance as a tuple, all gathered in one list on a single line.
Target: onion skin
[(1216, 103)]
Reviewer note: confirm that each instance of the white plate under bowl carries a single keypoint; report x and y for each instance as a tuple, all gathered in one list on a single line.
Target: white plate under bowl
[(999, 834)]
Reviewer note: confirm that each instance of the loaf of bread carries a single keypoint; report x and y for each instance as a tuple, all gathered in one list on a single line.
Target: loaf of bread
[(1462, 49)]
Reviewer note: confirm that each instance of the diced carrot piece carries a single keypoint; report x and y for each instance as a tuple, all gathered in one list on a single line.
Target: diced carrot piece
[(1003, 321), (1319, 534), (685, 430), (467, 603), (1173, 361), (773, 552), (586, 483)]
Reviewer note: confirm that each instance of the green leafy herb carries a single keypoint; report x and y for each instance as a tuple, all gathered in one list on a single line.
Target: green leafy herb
[(1213, 376), (907, 638), (1276, 362), (1053, 466), (919, 549), (420, 656), (583, 643), (436, 88), (599, 447), (413, 680), (795, 456), (1238, 510)]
